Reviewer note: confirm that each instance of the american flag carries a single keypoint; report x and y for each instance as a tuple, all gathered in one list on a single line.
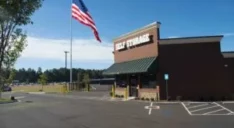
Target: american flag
[(80, 13)]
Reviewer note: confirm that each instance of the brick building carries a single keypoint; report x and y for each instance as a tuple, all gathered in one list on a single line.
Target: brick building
[(196, 66)]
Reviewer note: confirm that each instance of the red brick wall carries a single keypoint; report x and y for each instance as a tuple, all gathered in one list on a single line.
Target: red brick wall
[(194, 70)]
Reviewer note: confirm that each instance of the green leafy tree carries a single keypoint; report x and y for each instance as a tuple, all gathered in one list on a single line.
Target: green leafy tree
[(11, 76), (86, 78), (54, 75), (13, 15), (43, 80)]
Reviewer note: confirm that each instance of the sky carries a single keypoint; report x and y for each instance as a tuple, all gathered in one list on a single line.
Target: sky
[(50, 34)]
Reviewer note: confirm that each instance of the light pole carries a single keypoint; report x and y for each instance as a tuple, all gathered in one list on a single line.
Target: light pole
[(66, 59), (66, 52)]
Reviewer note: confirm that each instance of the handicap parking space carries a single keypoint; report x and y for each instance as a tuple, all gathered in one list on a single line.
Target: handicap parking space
[(208, 108), (164, 110), (168, 114)]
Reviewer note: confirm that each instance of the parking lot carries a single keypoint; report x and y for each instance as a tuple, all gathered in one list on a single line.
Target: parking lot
[(76, 110)]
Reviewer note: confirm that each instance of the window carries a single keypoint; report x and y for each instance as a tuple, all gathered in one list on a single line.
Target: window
[(148, 81)]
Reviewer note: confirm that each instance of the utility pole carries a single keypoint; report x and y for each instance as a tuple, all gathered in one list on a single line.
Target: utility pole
[(66, 59), (66, 52)]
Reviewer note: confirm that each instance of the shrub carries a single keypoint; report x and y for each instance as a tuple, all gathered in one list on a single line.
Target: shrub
[(142, 98), (137, 98), (211, 98), (224, 98), (179, 98), (147, 99), (152, 99), (232, 96), (111, 94), (201, 98), (169, 98), (12, 98)]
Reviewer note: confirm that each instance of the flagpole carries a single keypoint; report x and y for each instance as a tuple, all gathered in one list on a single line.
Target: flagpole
[(70, 48)]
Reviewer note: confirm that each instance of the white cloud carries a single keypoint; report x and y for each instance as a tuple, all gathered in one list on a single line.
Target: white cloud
[(173, 37), (228, 34), (84, 50)]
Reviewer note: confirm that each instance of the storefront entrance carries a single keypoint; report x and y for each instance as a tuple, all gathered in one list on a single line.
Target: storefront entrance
[(133, 86)]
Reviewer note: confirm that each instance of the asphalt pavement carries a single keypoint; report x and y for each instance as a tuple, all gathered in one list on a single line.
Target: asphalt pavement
[(71, 111)]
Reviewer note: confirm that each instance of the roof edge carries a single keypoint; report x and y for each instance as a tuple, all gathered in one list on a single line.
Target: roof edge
[(228, 54), (155, 24), (195, 39), (189, 37)]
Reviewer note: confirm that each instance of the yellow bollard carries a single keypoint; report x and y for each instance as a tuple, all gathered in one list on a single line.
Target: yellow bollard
[(126, 92), (113, 91), (65, 89), (125, 96), (62, 89)]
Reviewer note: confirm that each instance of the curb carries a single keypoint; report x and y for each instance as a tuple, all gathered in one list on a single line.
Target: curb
[(52, 93), (39, 93), (228, 102), (178, 102), (7, 102), (159, 102)]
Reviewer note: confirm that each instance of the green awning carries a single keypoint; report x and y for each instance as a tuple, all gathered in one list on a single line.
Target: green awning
[(134, 66)]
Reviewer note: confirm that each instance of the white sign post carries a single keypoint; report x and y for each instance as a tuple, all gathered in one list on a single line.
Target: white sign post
[(166, 77)]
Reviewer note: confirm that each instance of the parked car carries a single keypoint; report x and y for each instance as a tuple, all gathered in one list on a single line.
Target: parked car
[(6, 88)]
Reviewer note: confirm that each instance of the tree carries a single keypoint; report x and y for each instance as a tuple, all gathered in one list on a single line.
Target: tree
[(39, 71), (78, 77), (43, 80), (13, 15), (53, 75), (11, 76), (86, 78), (86, 81)]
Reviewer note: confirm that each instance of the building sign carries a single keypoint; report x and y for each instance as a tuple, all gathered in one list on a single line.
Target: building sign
[(132, 42)]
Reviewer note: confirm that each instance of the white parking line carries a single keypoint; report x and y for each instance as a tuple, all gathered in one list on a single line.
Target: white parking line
[(198, 106), (213, 111), (150, 108), (223, 107), (212, 115), (231, 113), (204, 108), (186, 108)]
